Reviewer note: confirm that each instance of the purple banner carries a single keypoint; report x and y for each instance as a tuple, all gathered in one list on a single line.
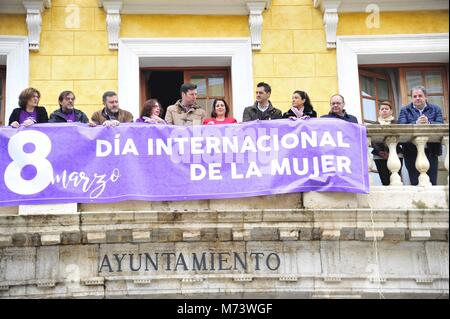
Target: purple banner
[(61, 163)]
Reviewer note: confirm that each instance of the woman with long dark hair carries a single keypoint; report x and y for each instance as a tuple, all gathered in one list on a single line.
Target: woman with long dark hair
[(301, 107)]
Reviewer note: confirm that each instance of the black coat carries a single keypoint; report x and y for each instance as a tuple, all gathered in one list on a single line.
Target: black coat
[(346, 117), (58, 117), (290, 113), (252, 113), (41, 115)]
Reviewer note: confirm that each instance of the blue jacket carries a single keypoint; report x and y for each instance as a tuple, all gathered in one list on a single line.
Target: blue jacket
[(409, 114)]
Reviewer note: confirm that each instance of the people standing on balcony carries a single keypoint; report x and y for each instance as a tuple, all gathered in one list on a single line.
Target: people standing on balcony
[(262, 109), (67, 111), (380, 150), (150, 113), (301, 107), (28, 112), (219, 113), (111, 114), (337, 104), (420, 112), (186, 112)]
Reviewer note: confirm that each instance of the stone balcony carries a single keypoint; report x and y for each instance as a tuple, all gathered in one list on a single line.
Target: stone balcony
[(392, 243)]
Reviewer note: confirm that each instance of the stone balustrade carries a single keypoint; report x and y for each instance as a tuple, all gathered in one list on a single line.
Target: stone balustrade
[(419, 135)]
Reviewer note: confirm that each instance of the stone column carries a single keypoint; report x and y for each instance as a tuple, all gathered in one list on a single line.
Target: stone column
[(445, 142), (393, 162), (422, 164)]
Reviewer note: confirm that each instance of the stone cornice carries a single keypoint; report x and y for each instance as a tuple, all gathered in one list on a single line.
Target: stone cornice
[(18, 6), (251, 8), (332, 8), (196, 7), (384, 5), (33, 10), (360, 224)]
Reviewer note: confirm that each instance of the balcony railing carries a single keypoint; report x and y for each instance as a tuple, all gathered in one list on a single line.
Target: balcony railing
[(419, 135)]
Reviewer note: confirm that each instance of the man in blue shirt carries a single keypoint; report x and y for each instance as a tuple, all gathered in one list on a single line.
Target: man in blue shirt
[(420, 112)]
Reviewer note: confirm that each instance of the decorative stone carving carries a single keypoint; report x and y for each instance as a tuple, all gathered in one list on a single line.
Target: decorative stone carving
[(422, 163), (255, 22), (94, 281), (112, 9), (393, 162), (34, 22), (288, 278), (330, 22), (332, 279)]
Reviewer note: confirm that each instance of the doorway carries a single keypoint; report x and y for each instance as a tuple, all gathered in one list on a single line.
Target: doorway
[(164, 85)]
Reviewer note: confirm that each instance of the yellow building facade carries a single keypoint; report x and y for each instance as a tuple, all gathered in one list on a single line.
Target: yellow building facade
[(74, 54)]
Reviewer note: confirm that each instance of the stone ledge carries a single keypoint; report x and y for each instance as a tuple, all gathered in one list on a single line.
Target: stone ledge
[(288, 234), (50, 239), (141, 236), (420, 234), (49, 209), (191, 235), (209, 284), (283, 224), (370, 234), (5, 240), (99, 237), (331, 234)]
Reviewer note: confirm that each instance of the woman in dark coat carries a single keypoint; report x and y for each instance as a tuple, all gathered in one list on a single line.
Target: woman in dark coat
[(29, 112), (301, 107)]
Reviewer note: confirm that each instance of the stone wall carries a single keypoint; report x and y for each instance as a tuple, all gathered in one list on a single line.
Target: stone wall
[(392, 243)]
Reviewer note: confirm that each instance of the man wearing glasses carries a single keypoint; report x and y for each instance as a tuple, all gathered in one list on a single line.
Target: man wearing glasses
[(337, 111)]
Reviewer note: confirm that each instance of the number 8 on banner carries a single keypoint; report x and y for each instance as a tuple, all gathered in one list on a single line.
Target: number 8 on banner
[(44, 170)]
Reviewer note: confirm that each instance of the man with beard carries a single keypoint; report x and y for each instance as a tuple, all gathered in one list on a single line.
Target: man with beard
[(111, 114), (67, 111)]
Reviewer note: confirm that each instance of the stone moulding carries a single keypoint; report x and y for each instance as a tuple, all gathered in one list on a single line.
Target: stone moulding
[(252, 8), (286, 225), (426, 286)]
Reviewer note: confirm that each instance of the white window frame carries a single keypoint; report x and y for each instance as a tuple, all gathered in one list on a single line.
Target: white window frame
[(383, 49), (237, 50), (15, 48)]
